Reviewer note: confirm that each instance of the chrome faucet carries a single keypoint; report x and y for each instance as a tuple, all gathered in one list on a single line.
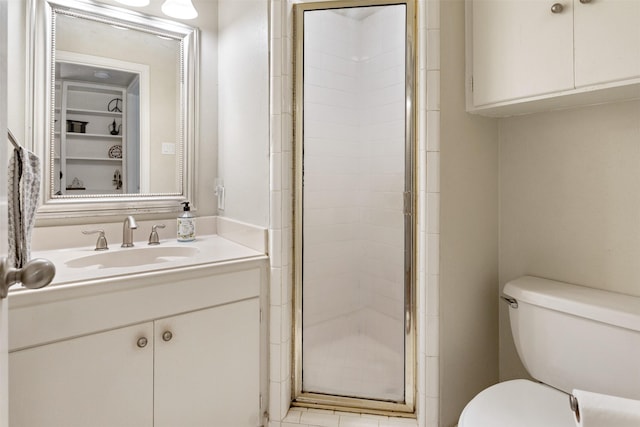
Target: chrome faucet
[(127, 231)]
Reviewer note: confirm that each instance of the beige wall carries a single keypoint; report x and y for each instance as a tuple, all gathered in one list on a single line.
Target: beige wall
[(570, 202), (469, 232)]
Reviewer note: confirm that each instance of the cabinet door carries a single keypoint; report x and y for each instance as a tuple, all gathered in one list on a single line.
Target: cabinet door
[(520, 49), (207, 373), (607, 41), (103, 379)]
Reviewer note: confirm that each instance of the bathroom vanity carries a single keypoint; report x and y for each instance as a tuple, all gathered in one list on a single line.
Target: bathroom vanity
[(177, 341)]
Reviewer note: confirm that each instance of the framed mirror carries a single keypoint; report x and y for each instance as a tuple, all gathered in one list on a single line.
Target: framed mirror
[(114, 107)]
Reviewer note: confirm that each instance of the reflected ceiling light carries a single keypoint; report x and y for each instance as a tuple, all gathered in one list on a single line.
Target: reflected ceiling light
[(135, 3), (101, 74), (180, 9)]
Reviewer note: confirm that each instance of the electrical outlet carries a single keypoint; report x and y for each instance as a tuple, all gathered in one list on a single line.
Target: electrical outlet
[(168, 148)]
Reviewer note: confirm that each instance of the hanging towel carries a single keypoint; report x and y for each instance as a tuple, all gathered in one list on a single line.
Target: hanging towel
[(23, 198), (601, 410)]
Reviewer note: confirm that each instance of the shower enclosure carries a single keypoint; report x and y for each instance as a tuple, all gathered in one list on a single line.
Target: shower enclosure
[(354, 223)]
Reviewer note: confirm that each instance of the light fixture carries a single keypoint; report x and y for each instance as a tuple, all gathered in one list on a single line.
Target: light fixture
[(180, 9), (134, 3), (101, 74)]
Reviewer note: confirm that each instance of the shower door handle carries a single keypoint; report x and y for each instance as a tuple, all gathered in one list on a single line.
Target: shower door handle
[(35, 274), (408, 302)]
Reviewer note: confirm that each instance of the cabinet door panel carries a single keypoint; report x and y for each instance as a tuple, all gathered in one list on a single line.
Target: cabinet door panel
[(607, 41), (97, 380), (520, 49), (207, 374)]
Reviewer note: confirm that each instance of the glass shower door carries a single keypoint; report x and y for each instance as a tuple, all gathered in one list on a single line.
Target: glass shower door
[(354, 220)]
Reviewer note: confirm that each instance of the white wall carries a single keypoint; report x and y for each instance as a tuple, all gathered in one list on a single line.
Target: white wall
[(16, 69), (469, 232), (243, 109), (569, 203)]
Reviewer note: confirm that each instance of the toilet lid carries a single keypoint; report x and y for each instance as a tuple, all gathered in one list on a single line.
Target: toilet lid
[(521, 403)]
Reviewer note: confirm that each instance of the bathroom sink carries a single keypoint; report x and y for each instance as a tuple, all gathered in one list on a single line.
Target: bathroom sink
[(133, 257)]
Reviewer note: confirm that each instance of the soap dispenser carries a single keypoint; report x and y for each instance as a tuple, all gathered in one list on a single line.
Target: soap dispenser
[(186, 224)]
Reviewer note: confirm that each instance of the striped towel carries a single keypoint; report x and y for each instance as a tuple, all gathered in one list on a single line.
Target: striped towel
[(23, 199)]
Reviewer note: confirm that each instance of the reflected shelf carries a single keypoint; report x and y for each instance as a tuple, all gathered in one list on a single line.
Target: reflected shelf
[(94, 112), (92, 135), (94, 159)]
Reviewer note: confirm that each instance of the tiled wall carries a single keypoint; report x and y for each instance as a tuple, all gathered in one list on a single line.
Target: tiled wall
[(354, 163), (382, 149), (332, 159), (281, 128), (353, 264)]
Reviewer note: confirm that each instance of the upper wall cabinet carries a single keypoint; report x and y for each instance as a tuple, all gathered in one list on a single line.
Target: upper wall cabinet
[(606, 41), (532, 55)]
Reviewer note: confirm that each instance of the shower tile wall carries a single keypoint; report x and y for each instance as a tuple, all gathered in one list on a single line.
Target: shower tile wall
[(280, 239), (353, 219), (382, 144), (331, 211)]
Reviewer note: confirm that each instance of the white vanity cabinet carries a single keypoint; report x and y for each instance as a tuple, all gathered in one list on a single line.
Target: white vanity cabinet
[(207, 366), (525, 56), (98, 380), (195, 359)]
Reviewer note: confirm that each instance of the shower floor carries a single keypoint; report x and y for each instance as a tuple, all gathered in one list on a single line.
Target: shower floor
[(341, 358)]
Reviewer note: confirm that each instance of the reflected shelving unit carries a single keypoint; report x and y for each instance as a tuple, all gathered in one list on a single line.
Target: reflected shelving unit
[(90, 137)]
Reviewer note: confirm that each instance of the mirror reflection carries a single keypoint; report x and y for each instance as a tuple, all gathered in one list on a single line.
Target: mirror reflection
[(116, 112)]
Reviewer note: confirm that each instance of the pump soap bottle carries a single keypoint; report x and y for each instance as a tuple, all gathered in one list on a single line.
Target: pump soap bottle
[(186, 225)]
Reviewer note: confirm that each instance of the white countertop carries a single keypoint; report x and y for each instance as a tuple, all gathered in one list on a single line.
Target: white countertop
[(211, 249)]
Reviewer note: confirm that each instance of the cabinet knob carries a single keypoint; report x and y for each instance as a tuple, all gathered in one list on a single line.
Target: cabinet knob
[(585, 1), (557, 8), (142, 342), (166, 336)]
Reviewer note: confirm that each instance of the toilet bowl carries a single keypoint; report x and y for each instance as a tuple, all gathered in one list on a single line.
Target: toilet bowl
[(518, 403), (567, 337)]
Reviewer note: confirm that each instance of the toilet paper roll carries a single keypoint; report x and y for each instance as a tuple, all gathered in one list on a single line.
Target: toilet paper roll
[(601, 410)]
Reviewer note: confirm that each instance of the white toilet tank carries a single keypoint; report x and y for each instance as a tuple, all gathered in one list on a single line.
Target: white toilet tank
[(574, 337)]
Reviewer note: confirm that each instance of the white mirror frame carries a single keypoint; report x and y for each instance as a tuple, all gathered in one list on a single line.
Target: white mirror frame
[(41, 68)]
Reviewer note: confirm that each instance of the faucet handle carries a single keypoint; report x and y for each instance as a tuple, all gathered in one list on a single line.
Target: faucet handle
[(153, 238), (101, 243)]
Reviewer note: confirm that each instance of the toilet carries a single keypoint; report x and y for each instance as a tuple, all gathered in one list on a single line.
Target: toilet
[(568, 337)]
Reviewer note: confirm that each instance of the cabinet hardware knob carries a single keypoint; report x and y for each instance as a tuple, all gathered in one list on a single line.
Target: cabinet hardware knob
[(585, 1), (557, 8), (142, 342), (166, 336)]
